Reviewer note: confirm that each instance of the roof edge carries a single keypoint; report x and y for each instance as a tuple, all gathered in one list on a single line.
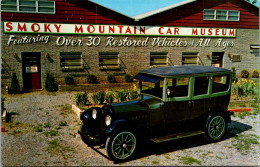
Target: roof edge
[(160, 10), (111, 9)]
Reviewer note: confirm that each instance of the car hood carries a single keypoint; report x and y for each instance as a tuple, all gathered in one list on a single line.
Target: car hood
[(144, 104)]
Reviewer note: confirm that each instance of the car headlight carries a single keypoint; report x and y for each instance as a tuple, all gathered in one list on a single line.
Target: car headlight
[(94, 114), (108, 120)]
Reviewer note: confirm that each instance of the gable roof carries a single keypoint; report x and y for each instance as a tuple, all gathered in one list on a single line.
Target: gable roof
[(153, 12), (110, 9), (160, 10)]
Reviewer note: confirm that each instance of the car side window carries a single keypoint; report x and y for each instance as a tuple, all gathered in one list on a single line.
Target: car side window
[(201, 85), (220, 83), (178, 87), (154, 89)]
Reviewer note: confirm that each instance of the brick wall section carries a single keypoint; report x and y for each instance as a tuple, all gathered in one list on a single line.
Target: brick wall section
[(133, 58)]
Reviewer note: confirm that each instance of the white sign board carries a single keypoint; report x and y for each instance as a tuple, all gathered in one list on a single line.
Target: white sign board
[(91, 29)]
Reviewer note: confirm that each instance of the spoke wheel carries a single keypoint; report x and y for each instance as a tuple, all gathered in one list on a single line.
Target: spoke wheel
[(121, 146), (216, 128)]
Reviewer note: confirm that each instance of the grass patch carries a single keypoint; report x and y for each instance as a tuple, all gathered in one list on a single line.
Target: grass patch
[(15, 132), (51, 133), (245, 143), (63, 123), (190, 160), (242, 114), (47, 125), (255, 104), (65, 109), (256, 111), (38, 128), (55, 147), (155, 162)]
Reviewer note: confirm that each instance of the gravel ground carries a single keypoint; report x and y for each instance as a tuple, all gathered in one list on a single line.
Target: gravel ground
[(43, 132)]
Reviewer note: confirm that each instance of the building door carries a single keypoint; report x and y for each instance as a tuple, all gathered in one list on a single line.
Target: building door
[(217, 59), (31, 62)]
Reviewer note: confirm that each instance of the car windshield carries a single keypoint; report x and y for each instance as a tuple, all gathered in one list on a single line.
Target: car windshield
[(154, 89)]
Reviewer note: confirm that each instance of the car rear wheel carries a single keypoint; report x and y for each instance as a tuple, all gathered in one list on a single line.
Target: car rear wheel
[(216, 128), (121, 146)]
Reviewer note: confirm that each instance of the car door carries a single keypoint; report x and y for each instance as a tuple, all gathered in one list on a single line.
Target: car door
[(199, 96), (177, 104)]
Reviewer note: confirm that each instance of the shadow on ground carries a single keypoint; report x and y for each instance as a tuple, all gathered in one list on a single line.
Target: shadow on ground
[(148, 148)]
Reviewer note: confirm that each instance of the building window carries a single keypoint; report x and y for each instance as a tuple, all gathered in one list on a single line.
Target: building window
[(71, 61), (189, 58), (222, 15), (28, 6), (236, 58), (109, 61), (254, 49), (158, 59)]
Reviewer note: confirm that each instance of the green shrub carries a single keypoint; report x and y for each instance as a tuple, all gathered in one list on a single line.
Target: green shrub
[(2, 102), (109, 97), (15, 87), (132, 94), (245, 88), (50, 84), (81, 99), (91, 79), (255, 73), (69, 79), (121, 95), (111, 78), (244, 73), (234, 76), (128, 78), (98, 97)]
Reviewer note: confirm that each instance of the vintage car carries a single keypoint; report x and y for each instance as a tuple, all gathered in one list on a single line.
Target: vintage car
[(174, 102)]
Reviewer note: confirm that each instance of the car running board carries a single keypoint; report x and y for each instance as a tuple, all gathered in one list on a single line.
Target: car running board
[(176, 136)]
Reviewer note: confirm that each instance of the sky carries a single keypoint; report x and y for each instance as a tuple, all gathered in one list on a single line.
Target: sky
[(136, 7)]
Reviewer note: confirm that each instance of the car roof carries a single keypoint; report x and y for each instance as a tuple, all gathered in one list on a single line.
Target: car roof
[(182, 70)]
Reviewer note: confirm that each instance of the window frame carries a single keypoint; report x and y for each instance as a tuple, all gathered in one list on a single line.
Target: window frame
[(254, 49), (182, 98), (78, 55), (201, 95), (105, 55), (189, 55), (227, 15), (161, 55), (37, 7)]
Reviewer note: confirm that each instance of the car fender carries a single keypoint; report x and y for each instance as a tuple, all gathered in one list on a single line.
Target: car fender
[(220, 111), (117, 125)]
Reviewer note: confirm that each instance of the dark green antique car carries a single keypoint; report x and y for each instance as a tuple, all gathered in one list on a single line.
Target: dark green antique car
[(174, 102)]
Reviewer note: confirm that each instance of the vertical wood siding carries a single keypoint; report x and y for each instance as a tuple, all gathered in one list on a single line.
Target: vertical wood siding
[(72, 12), (192, 15)]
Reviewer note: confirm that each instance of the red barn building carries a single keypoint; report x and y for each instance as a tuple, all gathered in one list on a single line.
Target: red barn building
[(82, 37)]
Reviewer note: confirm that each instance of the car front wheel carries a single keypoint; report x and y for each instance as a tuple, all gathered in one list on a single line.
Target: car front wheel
[(121, 146), (216, 128)]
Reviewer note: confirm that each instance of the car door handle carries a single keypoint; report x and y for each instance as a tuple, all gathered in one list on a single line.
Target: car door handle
[(191, 103)]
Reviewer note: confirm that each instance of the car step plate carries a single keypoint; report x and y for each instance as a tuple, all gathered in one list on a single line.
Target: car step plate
[(176, 136)]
